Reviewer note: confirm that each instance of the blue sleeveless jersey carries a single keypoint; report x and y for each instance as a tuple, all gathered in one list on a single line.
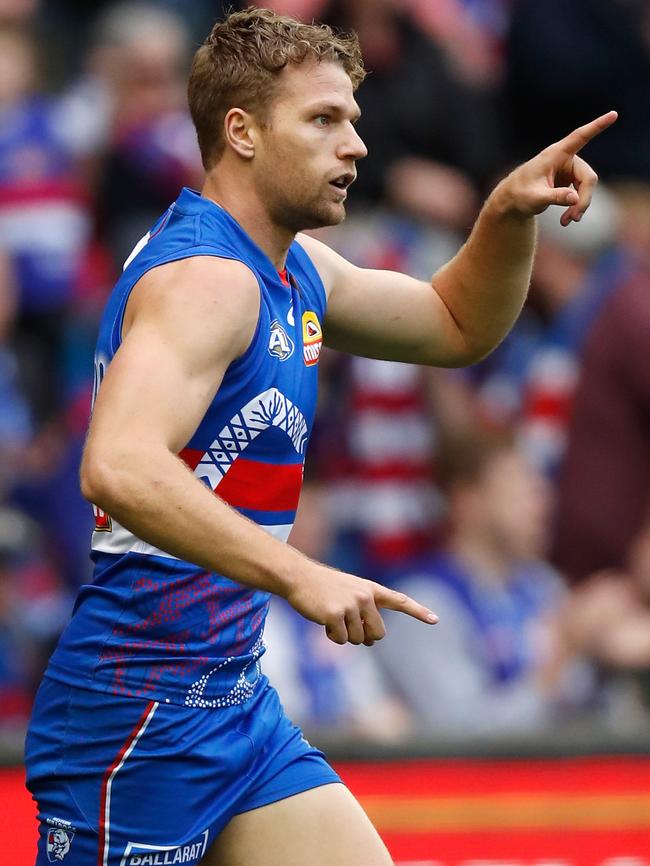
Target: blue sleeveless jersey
[(151, 625)]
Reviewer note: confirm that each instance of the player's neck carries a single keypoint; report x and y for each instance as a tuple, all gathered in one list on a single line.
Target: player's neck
[(251, 215)]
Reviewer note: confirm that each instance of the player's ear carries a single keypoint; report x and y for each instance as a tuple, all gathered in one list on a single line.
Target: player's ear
[(237, 131)]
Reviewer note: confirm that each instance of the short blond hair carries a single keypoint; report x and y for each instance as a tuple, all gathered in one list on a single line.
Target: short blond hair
[(239, 63)]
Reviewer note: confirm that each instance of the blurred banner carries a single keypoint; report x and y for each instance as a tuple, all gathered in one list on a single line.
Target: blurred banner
[(461, 812), (560, 812)]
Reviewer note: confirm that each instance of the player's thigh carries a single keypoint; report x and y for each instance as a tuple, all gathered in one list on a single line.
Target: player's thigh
[(323, 826)]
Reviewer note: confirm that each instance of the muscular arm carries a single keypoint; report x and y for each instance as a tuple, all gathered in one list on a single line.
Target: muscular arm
[(472, 301), (185, 323), (468, 307)]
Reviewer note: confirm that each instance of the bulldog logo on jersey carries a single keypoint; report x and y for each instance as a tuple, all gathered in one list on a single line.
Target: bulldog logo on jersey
[(58, 844), (280, 343), (312, 338)]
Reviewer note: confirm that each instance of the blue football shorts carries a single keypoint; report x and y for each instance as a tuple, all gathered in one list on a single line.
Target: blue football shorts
[(129, 782)]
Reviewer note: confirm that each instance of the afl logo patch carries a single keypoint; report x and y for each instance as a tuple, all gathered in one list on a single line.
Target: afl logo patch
[(312, 338), (280, 343)]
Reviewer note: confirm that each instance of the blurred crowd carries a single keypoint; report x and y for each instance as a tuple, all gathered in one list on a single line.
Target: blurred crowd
[(513, 497)]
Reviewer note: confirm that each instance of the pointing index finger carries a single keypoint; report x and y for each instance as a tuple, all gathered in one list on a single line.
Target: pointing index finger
[(388, 598), (577, 139)]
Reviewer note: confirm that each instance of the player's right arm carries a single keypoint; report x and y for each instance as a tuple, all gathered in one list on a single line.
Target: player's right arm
[(184, 325)]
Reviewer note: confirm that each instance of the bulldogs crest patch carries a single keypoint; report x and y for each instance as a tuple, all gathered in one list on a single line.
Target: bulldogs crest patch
[(58, 843)]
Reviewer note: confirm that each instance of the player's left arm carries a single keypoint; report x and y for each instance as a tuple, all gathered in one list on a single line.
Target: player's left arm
[(471, 302)]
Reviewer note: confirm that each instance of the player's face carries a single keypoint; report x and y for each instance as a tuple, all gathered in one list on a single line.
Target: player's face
[(306, 154)]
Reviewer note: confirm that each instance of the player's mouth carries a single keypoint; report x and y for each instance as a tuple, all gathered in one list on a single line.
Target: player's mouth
[(342, 182)]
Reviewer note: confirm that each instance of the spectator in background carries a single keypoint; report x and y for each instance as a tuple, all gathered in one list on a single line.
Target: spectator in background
[(132, 45), (69, 25), (471, 33), (605, 483), (44, 219), (490, 668), (141, 55), (608, 620)]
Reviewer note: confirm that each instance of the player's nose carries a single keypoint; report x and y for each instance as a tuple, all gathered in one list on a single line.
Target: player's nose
[(353, 146)]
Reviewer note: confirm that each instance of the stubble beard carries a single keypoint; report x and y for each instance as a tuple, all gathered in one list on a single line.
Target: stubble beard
[(293, 205), (303, 215)]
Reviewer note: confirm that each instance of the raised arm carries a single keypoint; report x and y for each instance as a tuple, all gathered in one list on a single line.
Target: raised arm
[(473, 301), (185, 323)]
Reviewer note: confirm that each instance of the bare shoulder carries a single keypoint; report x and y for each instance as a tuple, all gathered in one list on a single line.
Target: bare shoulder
[(206, 294), (330, 265)]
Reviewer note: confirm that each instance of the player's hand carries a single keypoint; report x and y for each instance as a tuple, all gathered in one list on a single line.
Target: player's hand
[(348, 606), (556, 176)]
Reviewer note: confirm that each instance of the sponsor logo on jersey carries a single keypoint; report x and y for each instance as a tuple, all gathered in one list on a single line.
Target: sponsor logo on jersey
[(280, 344), (103, 522), (58, 843), (141, 854), (312, 338)]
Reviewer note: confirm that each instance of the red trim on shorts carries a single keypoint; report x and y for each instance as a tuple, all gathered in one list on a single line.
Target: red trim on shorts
[(107, 775)]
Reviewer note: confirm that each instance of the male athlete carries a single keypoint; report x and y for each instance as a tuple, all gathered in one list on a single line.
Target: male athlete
[(155, 739)]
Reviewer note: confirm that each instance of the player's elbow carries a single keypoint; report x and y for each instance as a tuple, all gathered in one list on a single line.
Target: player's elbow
[(474, 351), (458, 350), (93, 475), (102, 478)]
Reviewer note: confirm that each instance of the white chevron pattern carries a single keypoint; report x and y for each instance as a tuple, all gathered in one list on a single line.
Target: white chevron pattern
[(269, 409)]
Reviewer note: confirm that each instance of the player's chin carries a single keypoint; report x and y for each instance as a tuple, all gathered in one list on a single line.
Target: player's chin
[(340, 213), (332, 214), (319, 218)]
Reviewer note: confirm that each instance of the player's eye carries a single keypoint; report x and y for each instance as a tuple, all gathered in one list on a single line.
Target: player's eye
[(322, 119)]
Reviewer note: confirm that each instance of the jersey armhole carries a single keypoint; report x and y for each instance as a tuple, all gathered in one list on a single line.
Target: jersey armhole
[(313, 276), (193, 252)]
